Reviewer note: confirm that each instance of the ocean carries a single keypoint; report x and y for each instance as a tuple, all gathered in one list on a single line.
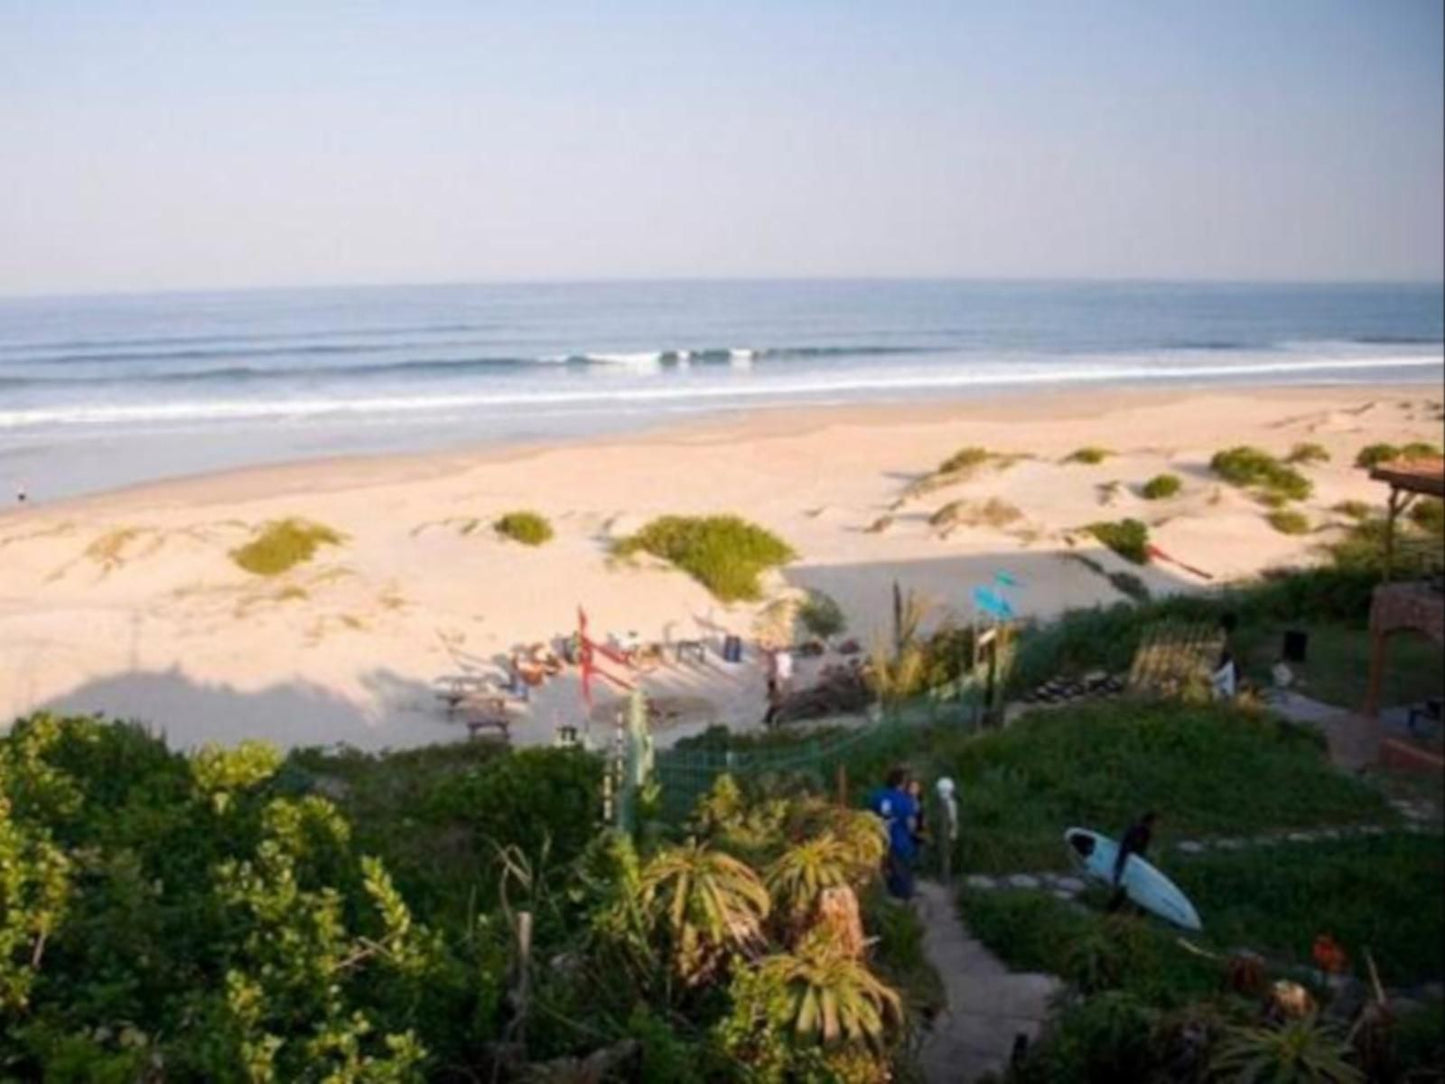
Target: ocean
[(104, 391)]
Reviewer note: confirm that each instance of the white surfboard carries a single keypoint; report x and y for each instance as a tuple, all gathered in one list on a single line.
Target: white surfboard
[(1143, 884)]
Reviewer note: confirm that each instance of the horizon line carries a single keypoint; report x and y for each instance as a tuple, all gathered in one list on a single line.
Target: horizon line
[(660, 280)]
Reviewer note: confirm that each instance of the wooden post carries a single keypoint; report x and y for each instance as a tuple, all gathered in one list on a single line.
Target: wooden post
[(842, 783)]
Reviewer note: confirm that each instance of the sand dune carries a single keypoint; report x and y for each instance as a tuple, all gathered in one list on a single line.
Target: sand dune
[(131, 604)]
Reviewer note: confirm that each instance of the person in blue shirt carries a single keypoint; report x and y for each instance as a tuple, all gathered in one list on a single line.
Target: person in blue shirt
[(899, 811)]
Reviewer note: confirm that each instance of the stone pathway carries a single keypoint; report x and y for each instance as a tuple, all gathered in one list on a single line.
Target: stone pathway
[(988, 1005)]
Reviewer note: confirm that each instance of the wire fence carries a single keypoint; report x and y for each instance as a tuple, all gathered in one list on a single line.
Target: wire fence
[(684, 775)]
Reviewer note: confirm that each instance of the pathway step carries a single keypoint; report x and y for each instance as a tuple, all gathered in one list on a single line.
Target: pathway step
[(988, 1005)]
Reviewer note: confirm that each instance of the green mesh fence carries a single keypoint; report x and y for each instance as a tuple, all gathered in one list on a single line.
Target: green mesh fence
[(685, 775)]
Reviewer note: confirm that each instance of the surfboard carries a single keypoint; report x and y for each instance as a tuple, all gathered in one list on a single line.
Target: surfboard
[(1143, 884)]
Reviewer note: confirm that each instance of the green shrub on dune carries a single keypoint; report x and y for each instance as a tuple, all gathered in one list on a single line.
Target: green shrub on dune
[(283, 544), (726, 554), (1245, 466), (1089, 456), (1161, 487), (1288, 521), (528, 528), (1129, 538), (1372, 455)]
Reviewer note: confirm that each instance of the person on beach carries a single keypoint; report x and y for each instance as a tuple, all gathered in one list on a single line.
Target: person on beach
[(1137, 838), (893, 803), (783, 670)]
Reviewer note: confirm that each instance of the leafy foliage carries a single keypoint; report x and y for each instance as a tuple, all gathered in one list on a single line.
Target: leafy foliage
[(821, 615), (282, 544), (1161, 487), (528, 528), (725, 554), (1246, 466), (1129, 538), (706, 904), (1304, 1051)]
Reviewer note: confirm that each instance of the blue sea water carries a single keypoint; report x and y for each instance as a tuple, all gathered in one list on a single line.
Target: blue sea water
[(97, 392)]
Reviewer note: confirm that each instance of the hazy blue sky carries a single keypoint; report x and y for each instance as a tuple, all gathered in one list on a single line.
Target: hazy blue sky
[(152, 145)]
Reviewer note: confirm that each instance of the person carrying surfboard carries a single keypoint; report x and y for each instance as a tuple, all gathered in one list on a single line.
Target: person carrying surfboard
[(1136, 841)]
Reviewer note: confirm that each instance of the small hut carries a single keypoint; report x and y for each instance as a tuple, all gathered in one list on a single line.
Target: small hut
[(1411, 605)]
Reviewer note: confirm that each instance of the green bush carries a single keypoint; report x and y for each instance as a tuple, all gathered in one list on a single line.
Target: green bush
[(725, 554), (1161, 487), (821, 615), (1428, 514), (1288, 521), (1089, 455), (1129, 538), (1372, 455), (1308, 452), (283, 544), (528, 528), (1245, 466)]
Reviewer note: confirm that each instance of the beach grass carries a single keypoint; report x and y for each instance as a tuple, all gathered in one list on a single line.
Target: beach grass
[(1090, 455), (990, 513), (1249, 467), (1306, 452), (726, 554), (1372, 455), (1129, 538), (1161, 487), (1353, 509), (526, 527), (281, 545), (1289, 521)]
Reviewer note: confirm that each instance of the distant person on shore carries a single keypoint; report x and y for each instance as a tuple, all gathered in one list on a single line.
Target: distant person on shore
[(899, 812), (914, 790), (20, 495), (1137, 838)]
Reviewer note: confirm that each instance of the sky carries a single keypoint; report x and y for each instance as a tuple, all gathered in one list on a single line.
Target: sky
[(155, 145)]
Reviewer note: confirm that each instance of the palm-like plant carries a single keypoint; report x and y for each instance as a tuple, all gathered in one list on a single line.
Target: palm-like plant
[(804, 871), (706, 903), (1303, 1051), (831, 997)]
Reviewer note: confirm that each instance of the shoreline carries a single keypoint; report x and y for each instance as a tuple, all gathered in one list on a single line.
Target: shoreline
[(131, 603), (753, 422)]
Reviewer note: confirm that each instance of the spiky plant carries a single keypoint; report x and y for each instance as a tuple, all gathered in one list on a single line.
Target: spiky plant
[(705, 903), (830, 997), (800, 875), (1303, 1051)]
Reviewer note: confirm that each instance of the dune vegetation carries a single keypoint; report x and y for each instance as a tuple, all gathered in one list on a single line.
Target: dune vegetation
[(726, 554), (528, 528), (1252, 468), (1091, 455), (1129, 538), (1161, 487), (283, 544)]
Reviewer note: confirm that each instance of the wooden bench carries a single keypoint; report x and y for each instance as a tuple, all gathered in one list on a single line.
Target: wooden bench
[(454, 690), (493, 727)]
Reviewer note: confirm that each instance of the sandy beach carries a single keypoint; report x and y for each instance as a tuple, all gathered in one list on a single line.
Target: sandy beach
[(130, 604)]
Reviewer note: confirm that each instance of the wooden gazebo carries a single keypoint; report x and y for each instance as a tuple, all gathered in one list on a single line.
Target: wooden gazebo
[(1395, 607)]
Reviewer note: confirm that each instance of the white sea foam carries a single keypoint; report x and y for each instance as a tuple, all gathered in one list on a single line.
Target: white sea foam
[(814, 383)]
